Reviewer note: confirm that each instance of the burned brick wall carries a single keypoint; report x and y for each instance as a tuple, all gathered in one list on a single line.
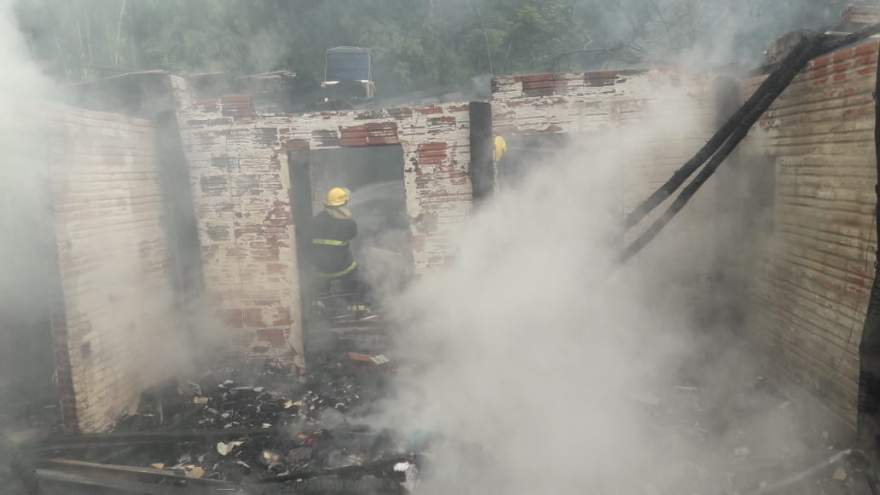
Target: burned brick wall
[(240, 181), (810, 280), (809, 298), (112, 261)]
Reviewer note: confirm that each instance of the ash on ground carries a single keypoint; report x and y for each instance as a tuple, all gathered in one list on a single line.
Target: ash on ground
[(259, 427)]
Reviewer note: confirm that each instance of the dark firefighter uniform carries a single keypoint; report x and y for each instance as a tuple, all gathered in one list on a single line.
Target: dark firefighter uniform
[(332, 232)]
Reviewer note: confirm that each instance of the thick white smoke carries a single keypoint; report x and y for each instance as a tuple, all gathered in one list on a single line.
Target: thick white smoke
[(535, 353), (23, 209), (44, 164)]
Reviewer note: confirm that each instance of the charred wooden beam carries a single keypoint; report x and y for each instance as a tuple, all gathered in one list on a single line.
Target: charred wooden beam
[(110, 440), (126, 479), (717, 149)]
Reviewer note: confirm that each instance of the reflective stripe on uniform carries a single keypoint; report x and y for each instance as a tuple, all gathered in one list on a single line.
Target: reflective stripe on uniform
[(329, 242), (340, 273)]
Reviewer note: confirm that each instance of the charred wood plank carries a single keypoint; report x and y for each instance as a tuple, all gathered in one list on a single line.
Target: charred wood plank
[(101, 440), (109, 475), (53, 481), (723, 142)]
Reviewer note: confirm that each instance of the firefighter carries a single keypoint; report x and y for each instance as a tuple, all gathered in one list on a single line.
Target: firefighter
[(500, 148), (332, 232)]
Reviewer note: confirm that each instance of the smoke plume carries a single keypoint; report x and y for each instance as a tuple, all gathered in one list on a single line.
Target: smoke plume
[(24, 212), (537, 356)]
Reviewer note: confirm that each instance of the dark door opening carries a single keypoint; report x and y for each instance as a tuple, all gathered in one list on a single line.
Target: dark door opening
[(374, 175)]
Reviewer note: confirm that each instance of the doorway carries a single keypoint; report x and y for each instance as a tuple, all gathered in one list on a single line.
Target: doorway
[(374, 175)]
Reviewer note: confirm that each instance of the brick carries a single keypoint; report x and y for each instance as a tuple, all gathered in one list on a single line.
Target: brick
[(104, 357), (214, 185), (276, 268), (238, 106), (209, 122), (225, 163), (541, 84), (245, 230), (218, 233), (401, 113), (282, 317), (326, 138), (369, 115), (428, 110), (432, 153), (369, 134), (209, 105), (266, 136), (253, 317), (445, 120), (231, 318), (296, 144), (276, 337), (600, 78), (812, 288), (248, 184)]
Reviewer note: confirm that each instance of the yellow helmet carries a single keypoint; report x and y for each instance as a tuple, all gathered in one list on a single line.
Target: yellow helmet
[(338, 196), (500, 147)]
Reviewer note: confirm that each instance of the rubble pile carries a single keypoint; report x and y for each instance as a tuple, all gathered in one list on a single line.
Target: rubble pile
[(232, 398), (265, 429)]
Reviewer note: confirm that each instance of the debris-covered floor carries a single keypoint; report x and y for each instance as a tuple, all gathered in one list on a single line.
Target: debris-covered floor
[(259, 428), (730, 429)]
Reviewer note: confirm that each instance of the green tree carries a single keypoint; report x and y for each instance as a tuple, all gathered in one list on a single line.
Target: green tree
[(416, 44)]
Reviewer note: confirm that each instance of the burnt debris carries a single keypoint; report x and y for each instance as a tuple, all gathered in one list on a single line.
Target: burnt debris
[(242, 429)]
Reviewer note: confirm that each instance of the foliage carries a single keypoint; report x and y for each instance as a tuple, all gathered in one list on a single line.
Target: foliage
[(416, 44)]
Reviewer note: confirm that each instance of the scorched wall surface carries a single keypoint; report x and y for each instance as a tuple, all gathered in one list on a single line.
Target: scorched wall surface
[(113, 264), (241, 190), (810, 296)]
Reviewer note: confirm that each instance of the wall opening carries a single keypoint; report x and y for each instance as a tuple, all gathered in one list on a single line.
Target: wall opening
[(374, 175)]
